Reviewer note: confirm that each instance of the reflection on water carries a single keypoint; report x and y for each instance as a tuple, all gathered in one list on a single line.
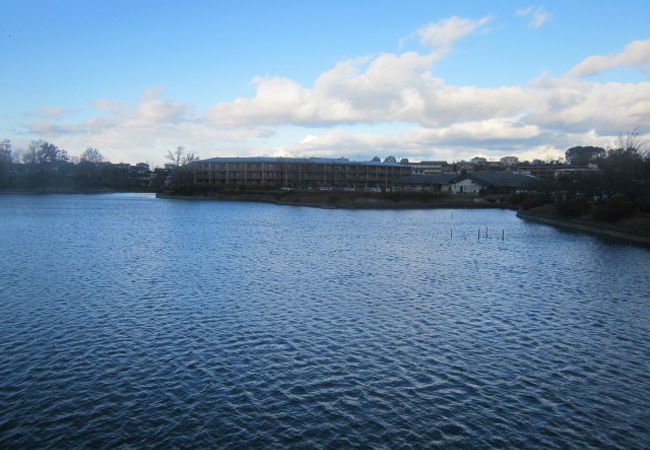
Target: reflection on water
[(132, 321)]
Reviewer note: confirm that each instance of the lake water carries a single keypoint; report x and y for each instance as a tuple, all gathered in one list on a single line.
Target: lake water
[(131, 321)]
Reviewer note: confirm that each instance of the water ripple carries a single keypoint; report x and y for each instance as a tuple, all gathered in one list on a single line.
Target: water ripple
[(127, 321)]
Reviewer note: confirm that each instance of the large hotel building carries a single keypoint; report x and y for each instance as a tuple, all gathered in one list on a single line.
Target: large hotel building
[(299, 172)]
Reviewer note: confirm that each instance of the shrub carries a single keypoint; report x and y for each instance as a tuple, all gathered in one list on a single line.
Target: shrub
[(518, 198), (531, 202), (643, 204), (615, 209), (574, 207)]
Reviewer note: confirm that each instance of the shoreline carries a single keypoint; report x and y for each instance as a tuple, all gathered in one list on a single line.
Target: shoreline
[(368, 201), (587, 226), (331, 200), (71, 191)]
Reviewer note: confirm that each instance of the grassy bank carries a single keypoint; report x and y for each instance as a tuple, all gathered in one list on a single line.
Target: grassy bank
[(634, 228), (343, 199)]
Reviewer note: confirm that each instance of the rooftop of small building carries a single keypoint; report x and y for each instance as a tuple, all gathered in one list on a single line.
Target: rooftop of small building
[(506, 179), (499, 179), (424, 163), (443, 178), (282, 160)]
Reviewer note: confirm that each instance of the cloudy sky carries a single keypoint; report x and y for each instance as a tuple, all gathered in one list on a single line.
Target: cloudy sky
[(416, 79)]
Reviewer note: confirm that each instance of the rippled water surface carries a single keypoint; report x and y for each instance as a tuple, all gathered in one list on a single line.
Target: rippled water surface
[(131, 321)]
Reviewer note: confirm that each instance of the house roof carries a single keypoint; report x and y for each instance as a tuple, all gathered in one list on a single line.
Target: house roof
[(487, 179), (443, 178), (502, 179), (436, 163)]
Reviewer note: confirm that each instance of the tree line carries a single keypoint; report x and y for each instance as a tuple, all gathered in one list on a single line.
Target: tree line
[(623, 169), (44, 165), (615, 182)]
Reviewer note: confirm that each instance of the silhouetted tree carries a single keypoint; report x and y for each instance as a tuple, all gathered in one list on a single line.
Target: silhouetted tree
[(44, 153), (5, 162), (581, 156), (179, 157), (5, 150), (182, 176), (92, 155)]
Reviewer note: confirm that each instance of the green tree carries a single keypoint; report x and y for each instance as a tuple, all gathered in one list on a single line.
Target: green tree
[(44, 153), (581, 156), (47, 164)]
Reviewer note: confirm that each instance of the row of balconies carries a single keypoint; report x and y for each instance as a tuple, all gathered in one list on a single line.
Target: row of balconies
[(339, 183), (265, 166), (290, 167)]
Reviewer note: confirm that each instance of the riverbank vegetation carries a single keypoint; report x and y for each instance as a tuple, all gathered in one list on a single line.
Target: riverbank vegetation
[(44, 167), (331, 198), (615, 194), (618, 187)]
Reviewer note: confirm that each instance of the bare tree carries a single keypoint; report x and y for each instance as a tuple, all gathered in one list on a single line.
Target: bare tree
[(179, 158), (5, 150), (176, 156), (92, 155), (631, 141), (189, 158)]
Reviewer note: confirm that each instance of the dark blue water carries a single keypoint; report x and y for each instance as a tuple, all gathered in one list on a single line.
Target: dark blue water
[(131, 321)]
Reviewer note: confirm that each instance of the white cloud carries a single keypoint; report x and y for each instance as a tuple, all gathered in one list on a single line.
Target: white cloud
[(635, 54), (417, 138), (444, 33), (490, 138), (525, 11), (538, 14), (436, 119), (157, 111), (51, 129), (539, 18), (578, 105), (52, 112), (389, 88), (401, 88), (144, 131), (111, 106)]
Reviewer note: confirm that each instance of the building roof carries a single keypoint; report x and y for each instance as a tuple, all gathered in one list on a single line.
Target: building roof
[(495, 179), (282, 160), (443, 178), (435, 163), (503, 179)]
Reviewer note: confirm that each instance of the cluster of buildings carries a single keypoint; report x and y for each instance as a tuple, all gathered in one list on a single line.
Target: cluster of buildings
[(140, 174), (472, 177)]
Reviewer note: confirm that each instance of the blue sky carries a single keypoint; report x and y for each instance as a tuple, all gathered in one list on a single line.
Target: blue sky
[(424, 80)]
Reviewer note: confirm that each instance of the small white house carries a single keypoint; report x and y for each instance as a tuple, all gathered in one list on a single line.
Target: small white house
[(465, 186)]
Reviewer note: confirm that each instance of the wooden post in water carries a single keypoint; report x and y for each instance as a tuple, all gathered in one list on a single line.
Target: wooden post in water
[(503, 235), (486, 234), (479, 233)]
